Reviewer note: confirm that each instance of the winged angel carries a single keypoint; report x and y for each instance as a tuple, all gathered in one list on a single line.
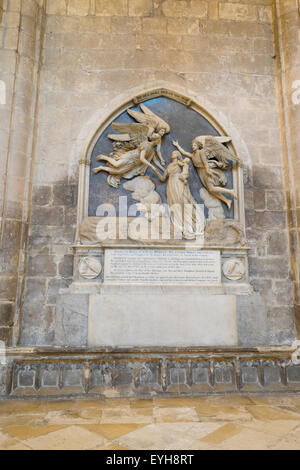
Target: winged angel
[(210, 158), (134, 147)]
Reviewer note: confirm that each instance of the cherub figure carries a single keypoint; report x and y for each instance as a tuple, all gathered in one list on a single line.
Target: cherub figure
[(210, 159), (135, 147), (185, 170)]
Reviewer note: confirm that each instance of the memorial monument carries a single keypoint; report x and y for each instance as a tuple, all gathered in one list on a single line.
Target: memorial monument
[(149, 227), (161, 250)]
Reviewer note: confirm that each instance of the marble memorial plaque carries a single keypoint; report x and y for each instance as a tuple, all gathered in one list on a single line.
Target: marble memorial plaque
[(162, 320), (156, 267)]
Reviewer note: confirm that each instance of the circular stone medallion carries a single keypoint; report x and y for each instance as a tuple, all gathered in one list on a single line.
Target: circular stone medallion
[(234, 269), (89, 267)]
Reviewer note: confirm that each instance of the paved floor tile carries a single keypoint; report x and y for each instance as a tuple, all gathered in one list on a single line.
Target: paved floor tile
[(222, 434), (166, 435), (175, 414), (189, 423), (72, 438)]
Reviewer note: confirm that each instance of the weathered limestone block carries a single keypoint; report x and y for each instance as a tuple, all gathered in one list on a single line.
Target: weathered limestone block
[(41, 265), (11, 39), (213, 10), (265, 14), (6, 314), (140, 7), (260, 63), (267, 177), (56, 286), (41, 195), (155, 25), (252, 321), (237, 11), (65, 267), (47, 215), (289, 5), (78, 7), (272, 268), (35, 290), (195, 8), (65, 195), (186, 26), (71, 320), (5, 335), (37, 324), (30, 8), (278, 243), (8, 288), (268, 220), (275, 200), (123, 25), (281, 325), (283, 291), (111, 7), (57, 7)]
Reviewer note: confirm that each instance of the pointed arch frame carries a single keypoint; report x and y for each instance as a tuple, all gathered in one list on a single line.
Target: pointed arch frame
[(85, 158)]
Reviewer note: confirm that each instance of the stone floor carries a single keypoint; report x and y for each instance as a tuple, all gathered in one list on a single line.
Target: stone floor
[(215, 422)]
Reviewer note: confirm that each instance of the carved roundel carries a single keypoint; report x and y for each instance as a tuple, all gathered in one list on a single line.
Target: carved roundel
[(234, 269), (89, 267)]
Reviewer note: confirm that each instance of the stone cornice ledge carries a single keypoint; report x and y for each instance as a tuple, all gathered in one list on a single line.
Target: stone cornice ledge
[(203, 351)]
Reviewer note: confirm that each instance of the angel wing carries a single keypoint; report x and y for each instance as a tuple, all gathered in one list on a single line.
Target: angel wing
[(130, 132), (215, 148), (150, 119)]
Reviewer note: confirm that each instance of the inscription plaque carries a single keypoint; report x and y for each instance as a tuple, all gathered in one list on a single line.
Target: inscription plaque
[(130, 266)]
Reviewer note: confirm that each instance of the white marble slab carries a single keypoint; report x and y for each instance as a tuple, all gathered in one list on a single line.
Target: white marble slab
[(184, 267), (162, 320)]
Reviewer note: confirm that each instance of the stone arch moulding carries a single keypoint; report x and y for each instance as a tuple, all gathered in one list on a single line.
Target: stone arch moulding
[(106, 117)]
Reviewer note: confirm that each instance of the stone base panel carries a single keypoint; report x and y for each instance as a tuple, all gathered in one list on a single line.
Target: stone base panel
[(144, 372)]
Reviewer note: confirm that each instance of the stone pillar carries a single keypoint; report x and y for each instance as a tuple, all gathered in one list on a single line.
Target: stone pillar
[(19, 67), (288, 39)]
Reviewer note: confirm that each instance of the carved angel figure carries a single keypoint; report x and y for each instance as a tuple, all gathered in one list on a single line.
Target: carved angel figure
[(134, 147), (210, 159)]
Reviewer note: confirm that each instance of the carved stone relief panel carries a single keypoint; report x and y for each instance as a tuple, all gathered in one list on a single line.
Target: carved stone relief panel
[(234, 269), (161, 169), (89, 267)]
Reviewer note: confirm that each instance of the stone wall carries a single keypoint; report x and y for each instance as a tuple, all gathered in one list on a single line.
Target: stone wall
[(221, 53), (20, 30), (289, 42)]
